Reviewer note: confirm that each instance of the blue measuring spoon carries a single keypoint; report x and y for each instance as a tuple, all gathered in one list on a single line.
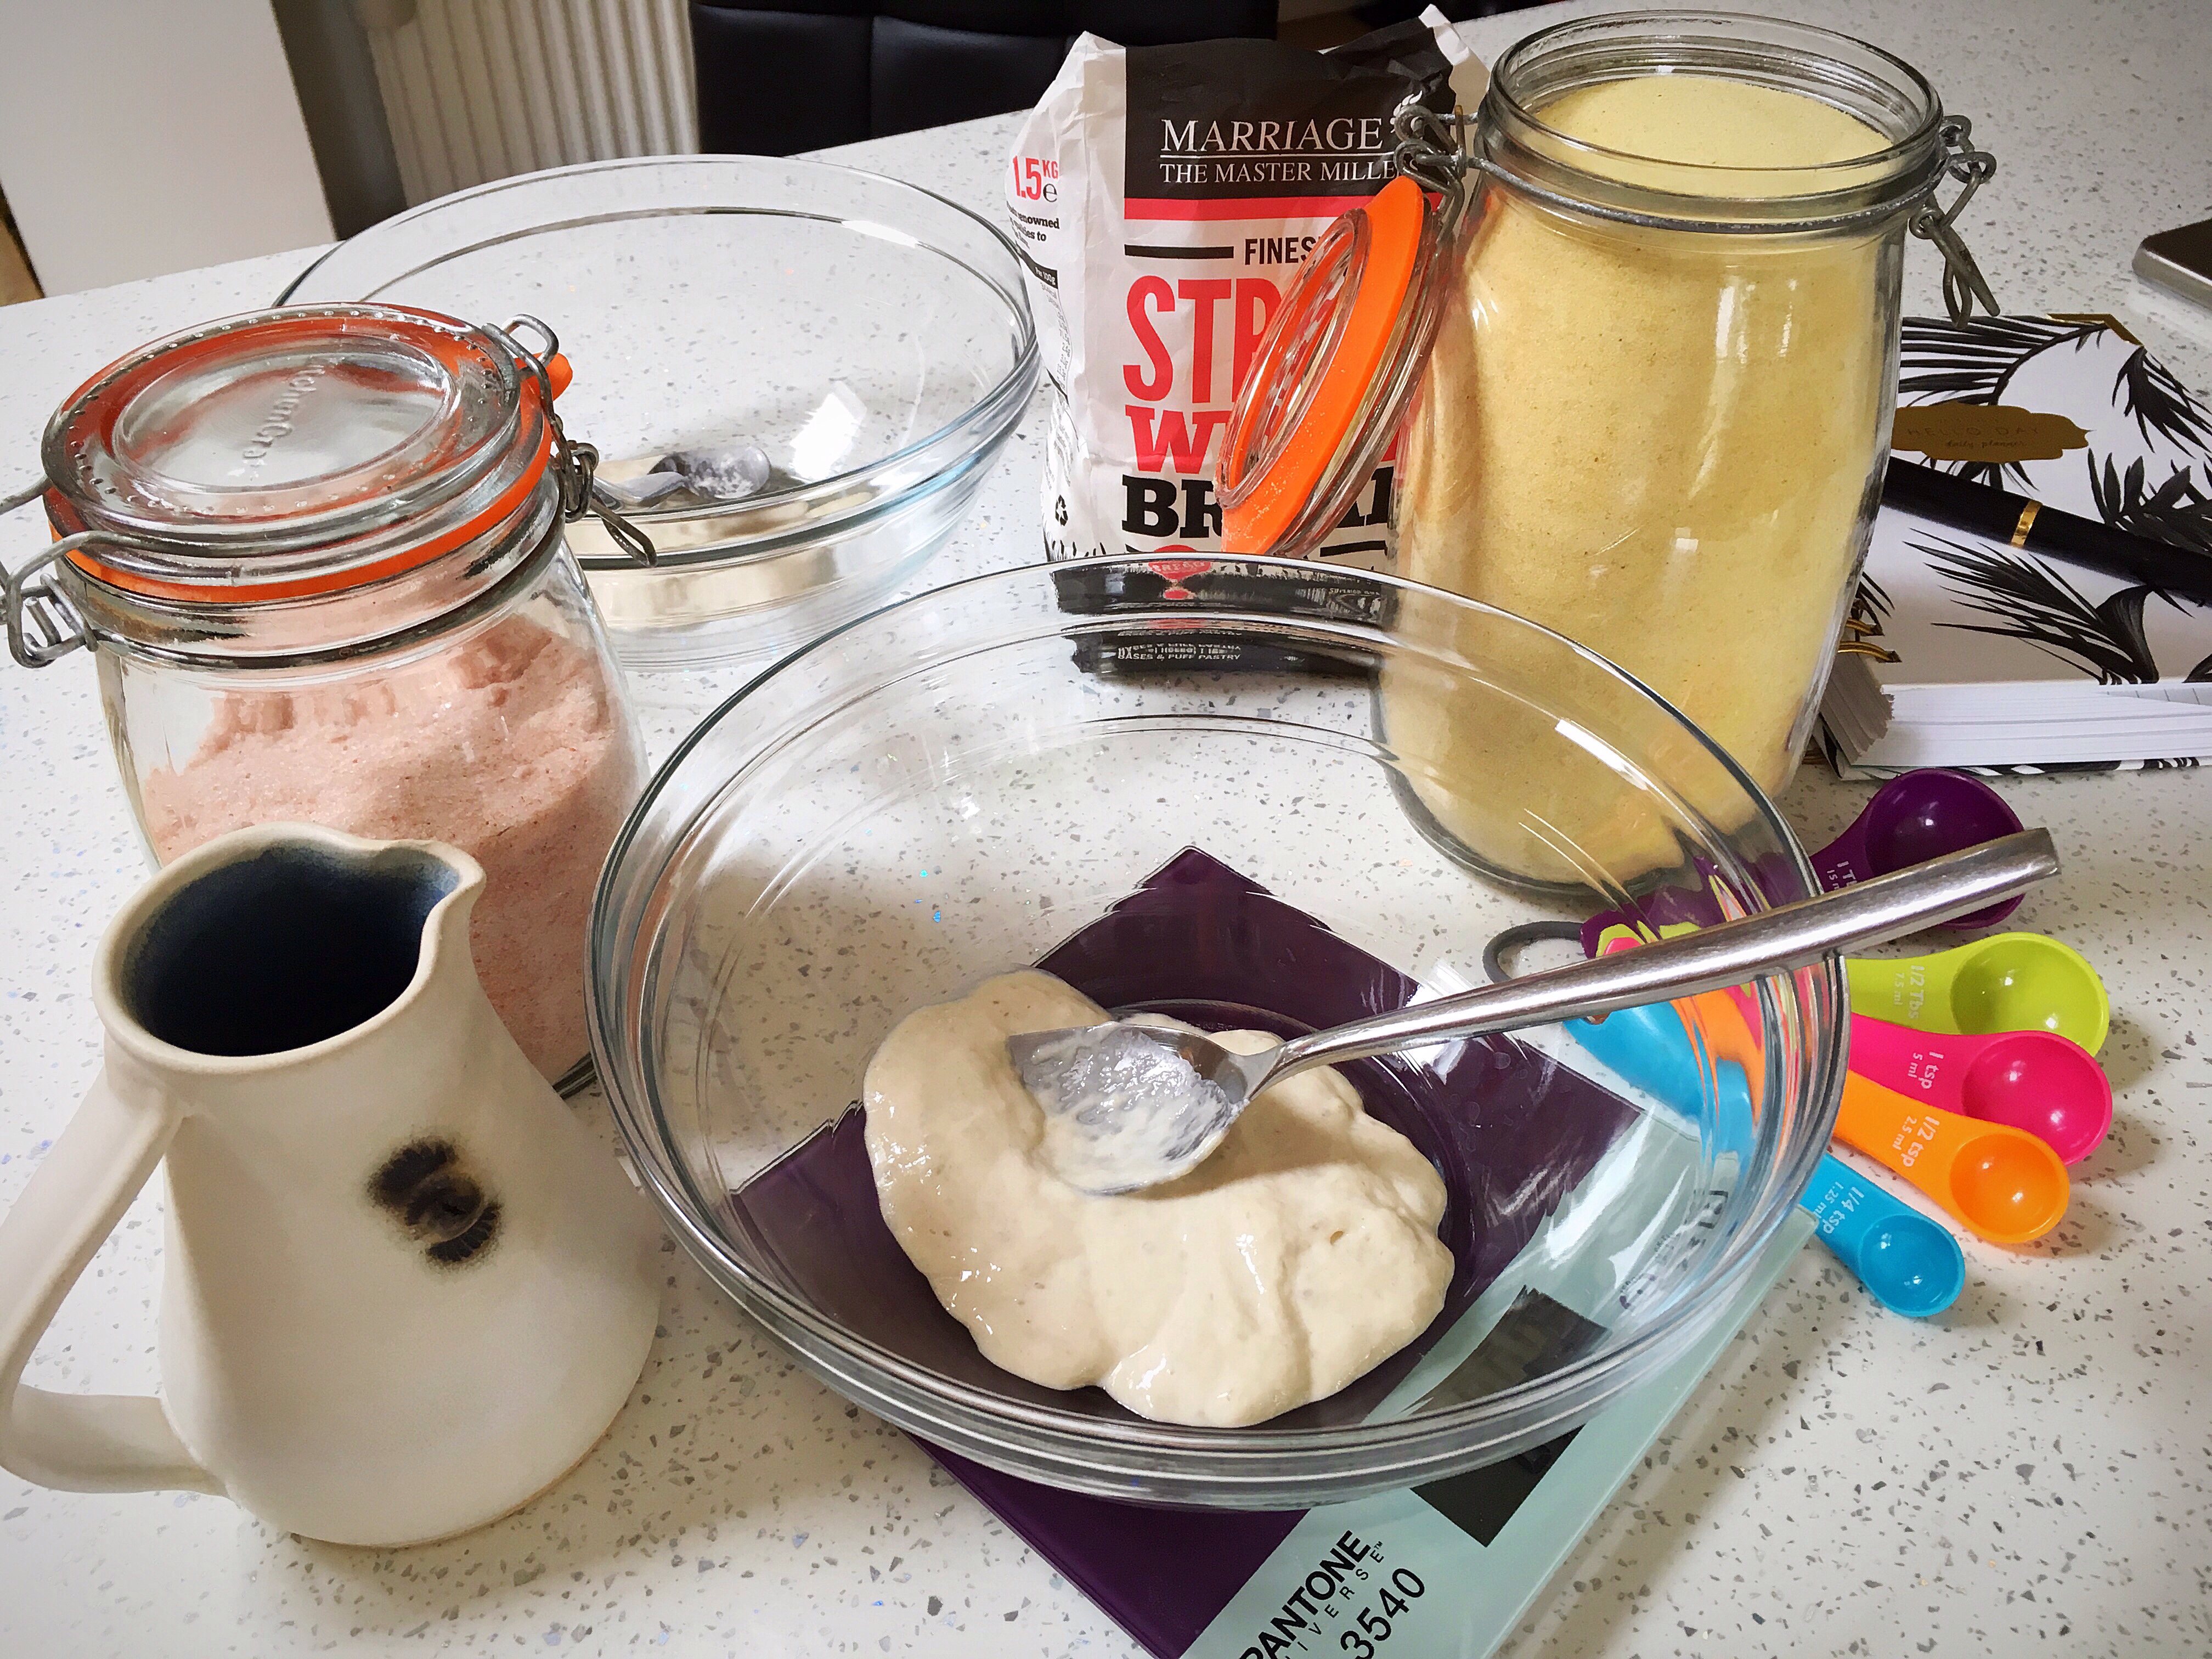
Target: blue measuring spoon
[(1908, 1263)]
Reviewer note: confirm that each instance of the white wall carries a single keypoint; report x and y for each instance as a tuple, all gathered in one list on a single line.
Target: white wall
[(141, 136)]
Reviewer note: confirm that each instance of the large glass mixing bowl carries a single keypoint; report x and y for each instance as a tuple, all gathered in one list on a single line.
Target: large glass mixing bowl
[(957, 785)]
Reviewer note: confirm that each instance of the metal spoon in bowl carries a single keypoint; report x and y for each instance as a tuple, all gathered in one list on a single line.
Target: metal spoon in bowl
[(1129, 1106)]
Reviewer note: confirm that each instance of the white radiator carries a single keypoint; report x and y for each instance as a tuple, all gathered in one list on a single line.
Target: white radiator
[(479, 89)]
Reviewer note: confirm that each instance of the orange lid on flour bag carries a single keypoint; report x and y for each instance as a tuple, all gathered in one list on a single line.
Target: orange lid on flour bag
[(1333, 377)]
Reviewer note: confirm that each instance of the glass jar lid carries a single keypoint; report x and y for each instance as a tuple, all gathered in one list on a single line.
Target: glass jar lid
[(299, 450), (1332, 376)]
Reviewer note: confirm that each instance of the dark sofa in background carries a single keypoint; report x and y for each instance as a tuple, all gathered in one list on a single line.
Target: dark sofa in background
[(786, 76)]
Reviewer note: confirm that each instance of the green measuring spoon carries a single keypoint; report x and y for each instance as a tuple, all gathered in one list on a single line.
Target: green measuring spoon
[(2006, 982)]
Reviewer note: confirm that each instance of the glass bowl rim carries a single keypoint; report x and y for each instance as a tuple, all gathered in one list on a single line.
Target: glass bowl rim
[(1019, 382), (692, 1218)]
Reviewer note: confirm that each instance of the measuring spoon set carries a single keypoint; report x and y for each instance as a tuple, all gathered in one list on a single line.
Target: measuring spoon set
[(1971, 1074)]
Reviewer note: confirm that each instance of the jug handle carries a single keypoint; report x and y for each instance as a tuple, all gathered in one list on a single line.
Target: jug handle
[(83, 1442)]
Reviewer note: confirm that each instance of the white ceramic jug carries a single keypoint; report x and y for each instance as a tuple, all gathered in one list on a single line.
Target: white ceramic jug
[(405, 1290)]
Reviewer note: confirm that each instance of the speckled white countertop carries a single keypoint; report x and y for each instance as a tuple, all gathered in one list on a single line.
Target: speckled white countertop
[(2029, 1473)]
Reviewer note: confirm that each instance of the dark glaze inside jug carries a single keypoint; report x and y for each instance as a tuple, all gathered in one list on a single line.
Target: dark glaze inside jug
[(291, 946)]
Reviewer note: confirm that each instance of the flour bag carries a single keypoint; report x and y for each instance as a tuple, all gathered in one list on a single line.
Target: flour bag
[(1162, 198)]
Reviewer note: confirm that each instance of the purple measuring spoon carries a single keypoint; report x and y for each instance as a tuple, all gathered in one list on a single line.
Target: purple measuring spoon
[(1663, 908), (1917, 815), (1914, 817)]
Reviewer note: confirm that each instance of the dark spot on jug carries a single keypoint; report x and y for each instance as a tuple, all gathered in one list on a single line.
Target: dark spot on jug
[(425, 1185)]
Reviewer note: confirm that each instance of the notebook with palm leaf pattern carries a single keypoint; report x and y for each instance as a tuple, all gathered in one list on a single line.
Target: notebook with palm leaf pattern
[(2005, 660)]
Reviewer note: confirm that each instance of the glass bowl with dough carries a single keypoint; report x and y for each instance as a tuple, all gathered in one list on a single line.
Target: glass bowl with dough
[(1172, 791)]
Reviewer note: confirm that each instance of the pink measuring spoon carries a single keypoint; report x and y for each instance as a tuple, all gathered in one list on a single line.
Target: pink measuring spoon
[(2038, 1081), (1920, 815)]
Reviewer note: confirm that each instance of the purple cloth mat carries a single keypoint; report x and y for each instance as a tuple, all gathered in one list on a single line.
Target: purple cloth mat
[(1161, 1575), (1511, 1131)]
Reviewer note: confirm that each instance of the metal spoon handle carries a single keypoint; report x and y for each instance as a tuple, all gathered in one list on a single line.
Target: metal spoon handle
[(1712, 958)]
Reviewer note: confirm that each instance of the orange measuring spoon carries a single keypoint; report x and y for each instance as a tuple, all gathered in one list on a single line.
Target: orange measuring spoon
[(2003, 1183), (2006, 1185)]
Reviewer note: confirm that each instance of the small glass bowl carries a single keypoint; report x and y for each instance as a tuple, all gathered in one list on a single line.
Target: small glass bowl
[(871, 338), (952, 786)]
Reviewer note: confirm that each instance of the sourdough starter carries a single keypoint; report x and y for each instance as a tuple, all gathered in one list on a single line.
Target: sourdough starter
[(1297, 1258)]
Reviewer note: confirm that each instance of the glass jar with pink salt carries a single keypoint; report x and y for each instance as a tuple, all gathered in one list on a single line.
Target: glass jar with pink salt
[(318, 556)]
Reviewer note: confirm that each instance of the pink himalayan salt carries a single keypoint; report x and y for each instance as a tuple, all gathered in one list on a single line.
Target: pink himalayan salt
[(509, 746)]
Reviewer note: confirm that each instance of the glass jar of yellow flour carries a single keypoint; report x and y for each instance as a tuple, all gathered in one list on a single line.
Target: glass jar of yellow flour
[(1636, 341)]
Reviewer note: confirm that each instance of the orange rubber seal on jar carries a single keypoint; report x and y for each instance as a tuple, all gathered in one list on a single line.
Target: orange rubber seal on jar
[(332, 581), (1257, 520), (64, 520)]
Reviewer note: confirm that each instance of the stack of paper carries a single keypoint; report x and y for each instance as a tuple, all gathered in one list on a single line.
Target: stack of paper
[(2075, 668)]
